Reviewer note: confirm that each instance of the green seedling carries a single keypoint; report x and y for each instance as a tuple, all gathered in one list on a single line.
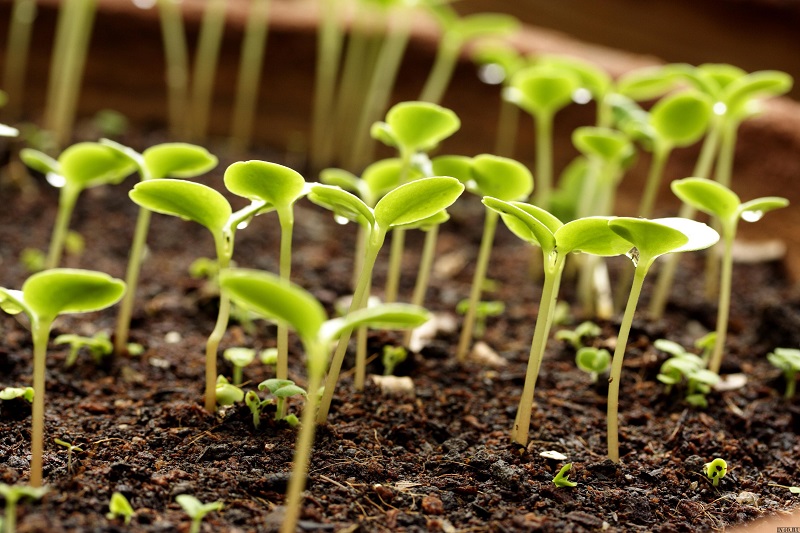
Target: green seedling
[(196, 509), (110, 123), (715, 470), (32, 259), (43, 297), (279, 187), (407, 204), (497, 177), (594, 83), (792, 489), (239, 358), (706, 344), (79, 167), (557, 240), (71, 449), (202, 204), (120, 507), (483, 311), (269, 356), (788, 361), (720, 202), (562, 478), (168, 160), (278, 300), (685, 365), (10, 393), (593, 361), (99, 346), (576, 336), (12, 495), (392, 356), (542, 91), (282, 389), (650, 239), (256, 405), (226, 393)]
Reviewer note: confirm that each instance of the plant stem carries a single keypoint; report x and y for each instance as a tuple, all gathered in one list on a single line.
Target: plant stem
[(286, 218), (251, 60), (507, 126), (212, 345), (205, 65), (41, 334), (619, 354), (176, 57), (544, 320), (18, 45), (66, 204), (131, 280), (424, 273), (654, 175), (442, 70), (361, 347), (723, 309), (481, 266), (544, 160), (790, 385), (10, 518), (395, 264)]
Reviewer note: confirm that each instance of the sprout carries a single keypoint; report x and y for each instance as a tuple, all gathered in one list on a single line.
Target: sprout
[(787, 360), (575, 337), (10, 393), (281, 389), (686, 365), (43, 297), (120, 507), (196, 509), (593, 361), (483, 311), (562, 478), (13, 494), (71, 448), (99, 346), (226, 393), (392, 356), (651, 239), (715, 470), (239, 358), (269, 356)]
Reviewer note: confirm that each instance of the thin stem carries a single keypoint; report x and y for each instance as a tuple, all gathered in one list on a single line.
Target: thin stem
[(481, 266), (442, 70), (395, 264), (286, 217), (424, 273), (19, 39), (205, 65), (66, 204), (358, 260), (619, 355), (212, 345), (654, 175), (723, 309), (790, 385), (544, 160), (176, 57), (131, 280), (507, 126), (360, 376), (41, 334), (10, 518)]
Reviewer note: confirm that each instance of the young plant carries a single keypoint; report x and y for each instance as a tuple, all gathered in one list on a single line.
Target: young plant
[(685, 365), (196, 509), (715, 470), (593, 361), (650, 239), (282, 301), (43, 297), (207, 207), (239, 358), (483, 311), (562, 478), (226, 393), (392, 356), (71, 449), (99, 346), (576, 336), (720, 202), (79, 167), (12, 494), (787, 360), (168, 160), (536, 226), (10, 393), (282, 389), (120, 507)]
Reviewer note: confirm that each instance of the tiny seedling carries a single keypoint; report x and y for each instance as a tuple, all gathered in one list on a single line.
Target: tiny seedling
[(239, 358), (227, 393), (719, 201), (282, 389), (71, 449), (787, 360), (10, 393), (685, 365), (43, 297), (196, 509), (256, 405), (99, 346), (582, 331), (562, 478), (120, 507), (483, 311), (12, 495), (269, 356), (715, 470), (650, 239), (593, 361), (706, 343), (792, 489), (392, 356)]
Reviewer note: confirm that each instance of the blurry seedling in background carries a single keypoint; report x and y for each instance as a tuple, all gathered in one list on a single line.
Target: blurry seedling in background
[(196, 510), (10, 393), (582, 331), (120, 507), (99, 346), (593, 361), (12, 494), (561, 479), (392, 356), (788, 361), (71, 450), (483, 311), (238, 358), (282, 389), (685, 365)]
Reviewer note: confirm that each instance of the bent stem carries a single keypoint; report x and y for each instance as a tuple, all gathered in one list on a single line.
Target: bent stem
[(66, 205), (424, 273), (41, 334), (723, 309), (212, 345), (131, 280)]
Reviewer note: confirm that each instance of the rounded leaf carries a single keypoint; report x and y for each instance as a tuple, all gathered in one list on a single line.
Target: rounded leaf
[(275, 184), (708, 196), (721, 75), (530, 223), (759, 84), (339, 177), (647, 83), (39, 161), (420, 126), (66, 290), (590, 235), (607, 144), (341, 202), (428, 223), (498, 53), (754, 210), (178, 160), (417, 200), (501, 177), (457, 166), (483, 25), (593, 78), (12, 301), (542, 90), (184, 199), (381, 177), (682, 118), (381, 316), (90, 164), (650, 238)]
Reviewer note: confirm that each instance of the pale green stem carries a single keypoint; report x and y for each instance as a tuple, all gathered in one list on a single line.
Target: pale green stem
[(605, 112), (195, 525), (358, 260), (597, 200), (360, 376), (619, 355), (41, 334), (359, 300), (424, 273), (544, 160), (395, 264), (481, 266), (661, 153), (66, 204), (176, 57), (790, 385), (10, 519), (205, 65), (131, 280), (60, 48), (544, 321), (238, 375), (723, 310), (507, 126), (286, 217), (19, 39), (251, 60), (439, 77), (212, 345)]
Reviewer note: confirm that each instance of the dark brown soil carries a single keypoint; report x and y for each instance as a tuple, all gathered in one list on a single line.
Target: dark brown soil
[(441, 461)]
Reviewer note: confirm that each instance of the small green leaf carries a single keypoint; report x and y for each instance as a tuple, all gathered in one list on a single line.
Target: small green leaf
[(753, 210), (420, 126), (275, 184), (184, 199), (178, 160), (342, 203), (646, 83), (287, 391), (456, 166), (194, 508), (649, 237), (501, 177), (594, 360), (530, 223), (90, 164), (590, 235), (416, 200), (542, 90), (381, 316), (484, 24), (607, 144), (66, 290), (381, 177), (427, 223), (338, 177), (39, 161), (12, 301), (273, 384), (562, 478), (120, 506), (720, 74), (239, 356), (708, 196), (594, 79), (759, 84), (682, 118)]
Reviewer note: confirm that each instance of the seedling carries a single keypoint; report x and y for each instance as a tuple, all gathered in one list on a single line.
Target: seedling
[(43, 297), (168, 160), (562, 478), (71, 449), (557, 240), (392, 356), (79, 167), (99, 346), (576, 336), (685, 365), (269, 356), (792, 489), (706, 343), (715, 470), (227, 393), (593, 361), (196, 509), (239, 358), (12, 495), (274, 298), (10, 393), (719, 201), (651, 239), (281, 389), (120, 507), (787, 360), (207, 207), (483, 311)]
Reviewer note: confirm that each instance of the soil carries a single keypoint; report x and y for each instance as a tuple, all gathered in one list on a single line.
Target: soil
[(440, 461)]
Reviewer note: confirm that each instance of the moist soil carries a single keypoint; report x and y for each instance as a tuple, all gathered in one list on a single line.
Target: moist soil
[(438, 461)]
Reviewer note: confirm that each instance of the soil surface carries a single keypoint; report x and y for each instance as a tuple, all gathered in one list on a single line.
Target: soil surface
[(438, 461)]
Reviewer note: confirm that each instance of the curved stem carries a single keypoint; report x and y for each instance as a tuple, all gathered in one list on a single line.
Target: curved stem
[(442, 71), (723, 310), (424, 273), (131, 280), (481, 266), (212, 345), (41, 334), (66, 204), (395, 264)]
